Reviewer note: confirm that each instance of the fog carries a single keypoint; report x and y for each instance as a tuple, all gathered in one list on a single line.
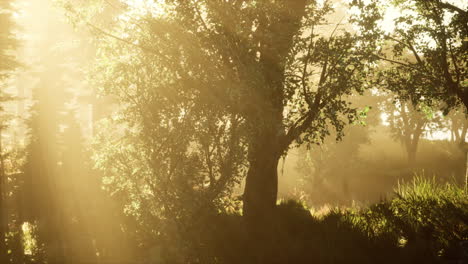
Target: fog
[(233, 131)]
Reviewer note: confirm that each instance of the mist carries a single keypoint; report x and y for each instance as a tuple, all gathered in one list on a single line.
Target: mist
[(233, 131)]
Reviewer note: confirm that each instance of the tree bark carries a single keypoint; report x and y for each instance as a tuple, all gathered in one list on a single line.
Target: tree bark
[(260, 197), (265, 122), (262, 181)]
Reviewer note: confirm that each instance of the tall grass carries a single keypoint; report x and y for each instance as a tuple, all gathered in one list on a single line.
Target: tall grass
[(426, 222), (425, 217)]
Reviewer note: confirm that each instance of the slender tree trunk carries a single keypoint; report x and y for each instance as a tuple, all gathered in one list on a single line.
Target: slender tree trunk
[(411, 156), (463, 133), (412, 148), (465, 98), (410, 153), (466, 172), (3, 211)]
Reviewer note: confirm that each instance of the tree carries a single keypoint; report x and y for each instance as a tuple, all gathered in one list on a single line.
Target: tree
[(320, 173), (458, 126), (8, 63), (322, 181), (408, 123), (42, 169), (265, 68), (8, 42), (433, 33)]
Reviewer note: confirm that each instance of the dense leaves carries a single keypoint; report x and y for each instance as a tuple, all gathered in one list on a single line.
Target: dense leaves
[(429, 53)]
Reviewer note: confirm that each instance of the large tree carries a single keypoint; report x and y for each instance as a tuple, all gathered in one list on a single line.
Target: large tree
[(265, 73)]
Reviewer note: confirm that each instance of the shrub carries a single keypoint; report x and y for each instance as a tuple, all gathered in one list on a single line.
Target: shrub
[(424, 223)]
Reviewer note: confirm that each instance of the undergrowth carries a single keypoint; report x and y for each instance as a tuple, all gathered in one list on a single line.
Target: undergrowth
[(426, 222)]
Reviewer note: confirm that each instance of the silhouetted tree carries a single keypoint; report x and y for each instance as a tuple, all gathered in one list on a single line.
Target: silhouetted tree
[(8, 63), (78, 188), (458, 126), (265, 67), (322, 181), (429, 46), (409, 122), (42, 170)]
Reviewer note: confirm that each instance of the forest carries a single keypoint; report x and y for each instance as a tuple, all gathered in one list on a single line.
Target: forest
[(233, 131)]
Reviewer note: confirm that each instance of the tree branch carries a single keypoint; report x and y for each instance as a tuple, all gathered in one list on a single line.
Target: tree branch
[(453, 8), (103, 32)]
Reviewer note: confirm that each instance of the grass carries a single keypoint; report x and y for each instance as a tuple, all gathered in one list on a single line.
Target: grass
[(426, 222)]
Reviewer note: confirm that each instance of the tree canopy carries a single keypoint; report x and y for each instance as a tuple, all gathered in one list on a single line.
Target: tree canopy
[(8, 41), (429, 51), (159, 136), (228, 86)]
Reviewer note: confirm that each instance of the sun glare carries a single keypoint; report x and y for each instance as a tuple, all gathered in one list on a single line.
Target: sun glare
[(232, 131), (147, 7), (388, 23)]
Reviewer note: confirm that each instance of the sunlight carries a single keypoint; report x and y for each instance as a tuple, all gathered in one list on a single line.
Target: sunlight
[(388, 23), (430, 135), (154, 8), (30, 243), (149, 131)]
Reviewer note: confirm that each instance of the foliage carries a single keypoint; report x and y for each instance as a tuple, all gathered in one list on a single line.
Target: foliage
[(423, 223), (424, 216), (410, 121), (458, 125), (321, 179), (165, 189), (8, 63), (211, 90), (8, 41), (428, 47), (208, 92)]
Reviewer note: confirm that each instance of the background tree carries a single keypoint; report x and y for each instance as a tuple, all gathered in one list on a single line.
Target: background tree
[(409, 122), (200, 95), (321, 180), (42, 168), (429, 45), (54, 83), (8, 63), (458, 126), (9, 43)]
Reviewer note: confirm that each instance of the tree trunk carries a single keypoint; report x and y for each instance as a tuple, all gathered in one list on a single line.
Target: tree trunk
[(265, 122), (465, 98), (463, 133), (3, 210), (412, 148), (466, 173), (262, 182), (411, 156), (260, 196)]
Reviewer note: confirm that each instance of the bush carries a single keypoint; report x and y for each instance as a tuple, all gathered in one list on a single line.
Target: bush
[(424, 223)]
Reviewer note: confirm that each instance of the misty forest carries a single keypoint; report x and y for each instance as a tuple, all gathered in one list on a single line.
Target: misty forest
[(233, 131)]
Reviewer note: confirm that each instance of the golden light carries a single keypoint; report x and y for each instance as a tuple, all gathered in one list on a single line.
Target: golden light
[(154, 8)]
